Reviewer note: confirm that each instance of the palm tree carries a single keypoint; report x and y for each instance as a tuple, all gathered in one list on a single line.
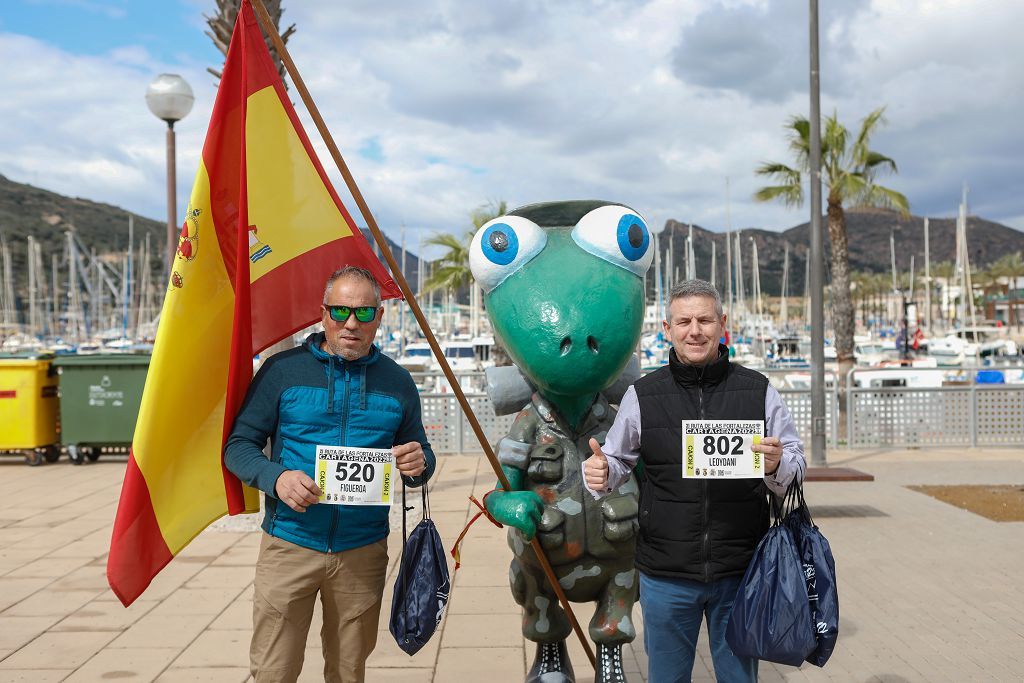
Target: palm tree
[(223, 23), (451, 272), (848, 170)]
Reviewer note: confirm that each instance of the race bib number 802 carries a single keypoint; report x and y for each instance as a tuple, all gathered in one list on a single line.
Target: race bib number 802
[(354, 476), (722, 449)]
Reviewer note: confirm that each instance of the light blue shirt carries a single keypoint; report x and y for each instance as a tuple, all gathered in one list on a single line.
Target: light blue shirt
[(622, 445)]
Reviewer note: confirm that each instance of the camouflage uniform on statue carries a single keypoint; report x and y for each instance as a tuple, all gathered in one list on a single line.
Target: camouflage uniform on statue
[(564, 289)]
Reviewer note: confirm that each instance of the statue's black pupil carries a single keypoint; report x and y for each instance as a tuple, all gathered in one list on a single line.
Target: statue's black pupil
[(635, 235), (499, 241)]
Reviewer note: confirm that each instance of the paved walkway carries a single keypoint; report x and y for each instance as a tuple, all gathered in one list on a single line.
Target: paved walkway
[(928, 592)]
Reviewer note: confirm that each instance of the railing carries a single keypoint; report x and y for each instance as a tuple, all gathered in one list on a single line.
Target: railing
[(990, 415), (968, 414)]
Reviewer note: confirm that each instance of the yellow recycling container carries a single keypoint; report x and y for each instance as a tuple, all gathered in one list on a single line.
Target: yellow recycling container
[(29, 407)]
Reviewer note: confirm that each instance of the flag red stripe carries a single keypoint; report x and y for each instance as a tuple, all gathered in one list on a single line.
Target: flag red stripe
[(225, 141), (137, 548), (240, 360)]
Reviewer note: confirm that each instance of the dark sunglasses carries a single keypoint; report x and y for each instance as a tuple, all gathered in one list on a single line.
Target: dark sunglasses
[(340, 314)]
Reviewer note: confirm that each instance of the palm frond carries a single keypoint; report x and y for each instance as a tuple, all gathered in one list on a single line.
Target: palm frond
[(867, 128), (487, 212), (884, 198), (445, 240), (874, 159), (790, 195)]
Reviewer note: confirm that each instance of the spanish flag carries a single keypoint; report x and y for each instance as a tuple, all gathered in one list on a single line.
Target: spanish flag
[(262, 232)]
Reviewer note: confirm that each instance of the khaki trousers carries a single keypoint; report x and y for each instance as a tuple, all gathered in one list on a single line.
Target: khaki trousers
[(288, 578)]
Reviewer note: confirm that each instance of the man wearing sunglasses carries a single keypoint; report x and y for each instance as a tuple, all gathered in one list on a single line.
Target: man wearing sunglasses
[(338, 389)]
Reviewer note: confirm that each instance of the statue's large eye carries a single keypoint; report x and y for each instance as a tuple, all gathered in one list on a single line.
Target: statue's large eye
[(501, 247), (616, 234)]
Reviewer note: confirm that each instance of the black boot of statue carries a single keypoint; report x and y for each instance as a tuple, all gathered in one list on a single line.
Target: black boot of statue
[(551, 665), (609, 664)]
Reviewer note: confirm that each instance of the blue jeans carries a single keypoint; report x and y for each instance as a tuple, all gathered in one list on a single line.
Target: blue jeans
[(673, 610)]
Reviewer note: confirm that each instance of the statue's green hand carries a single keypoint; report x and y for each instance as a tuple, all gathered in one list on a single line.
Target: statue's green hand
[(520, 509)]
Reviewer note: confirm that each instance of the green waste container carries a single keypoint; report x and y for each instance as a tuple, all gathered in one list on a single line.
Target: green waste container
[(28, 407), (99, 401)]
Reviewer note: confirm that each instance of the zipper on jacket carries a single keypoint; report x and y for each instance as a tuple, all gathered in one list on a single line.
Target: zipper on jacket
[(344, 414), (705, 544)]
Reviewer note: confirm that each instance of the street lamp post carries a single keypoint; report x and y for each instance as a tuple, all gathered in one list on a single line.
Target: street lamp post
[(170, 99)]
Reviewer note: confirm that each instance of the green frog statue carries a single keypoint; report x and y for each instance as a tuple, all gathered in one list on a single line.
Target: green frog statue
[(564, 288)]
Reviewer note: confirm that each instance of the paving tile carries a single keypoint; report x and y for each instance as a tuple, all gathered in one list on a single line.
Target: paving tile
[(482, 600), (237, 615), (82, 578), (157, 631), (205, 675), (167, 581), (51, 603), (33, 675), (103, 615), (388, 655), (49, 567), (16, 631), (238, 555), (209, 601), (501, 664), (58, 650), (222, 577), (14, 590), (424, 675), (478, 630), (217, 648), (135, 664)]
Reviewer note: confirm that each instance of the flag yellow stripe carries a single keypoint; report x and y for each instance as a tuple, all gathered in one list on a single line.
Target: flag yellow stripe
[(289, 205), (181, 419)]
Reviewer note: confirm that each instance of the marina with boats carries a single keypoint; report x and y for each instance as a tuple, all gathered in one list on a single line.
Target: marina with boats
[(958, 368)]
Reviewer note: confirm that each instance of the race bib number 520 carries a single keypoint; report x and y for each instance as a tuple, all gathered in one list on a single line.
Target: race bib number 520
[(722, 449), (354, 476)]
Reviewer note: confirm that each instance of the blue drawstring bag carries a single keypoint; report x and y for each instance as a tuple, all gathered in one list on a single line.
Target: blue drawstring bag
[(820, 574), (771, 616), (422, 585)]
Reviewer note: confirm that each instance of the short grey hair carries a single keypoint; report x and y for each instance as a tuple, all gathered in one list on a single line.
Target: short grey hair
[(356, 272), (688, 288)]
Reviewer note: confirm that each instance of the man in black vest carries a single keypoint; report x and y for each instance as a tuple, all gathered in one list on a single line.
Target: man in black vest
[(697, 536)]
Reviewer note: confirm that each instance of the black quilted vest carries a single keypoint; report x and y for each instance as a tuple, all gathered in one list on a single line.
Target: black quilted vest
[(696, 529)]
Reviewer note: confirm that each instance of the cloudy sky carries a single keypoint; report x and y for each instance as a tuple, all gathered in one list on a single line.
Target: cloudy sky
[(438, 107)]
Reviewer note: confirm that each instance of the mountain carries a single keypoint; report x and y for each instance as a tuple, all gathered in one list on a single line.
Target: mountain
[(868, 231), (28, 210), (25, 210)]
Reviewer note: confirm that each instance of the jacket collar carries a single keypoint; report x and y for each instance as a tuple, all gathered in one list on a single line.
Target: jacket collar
[(315, 341), (690, 375)]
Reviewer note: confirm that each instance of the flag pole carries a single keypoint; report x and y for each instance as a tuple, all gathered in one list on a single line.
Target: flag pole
[(300, 87)]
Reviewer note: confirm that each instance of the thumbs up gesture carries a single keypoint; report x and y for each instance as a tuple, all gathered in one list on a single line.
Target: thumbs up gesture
[(595, 468)]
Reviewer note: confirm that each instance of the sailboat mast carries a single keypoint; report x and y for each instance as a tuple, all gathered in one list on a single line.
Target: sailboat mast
[(8, 304), (714, 265), (33, 319), (126, 277), (927, 282), (784, 305), (670, 259), (740, 303), (55, 298), (968, 291), (728, 275)]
